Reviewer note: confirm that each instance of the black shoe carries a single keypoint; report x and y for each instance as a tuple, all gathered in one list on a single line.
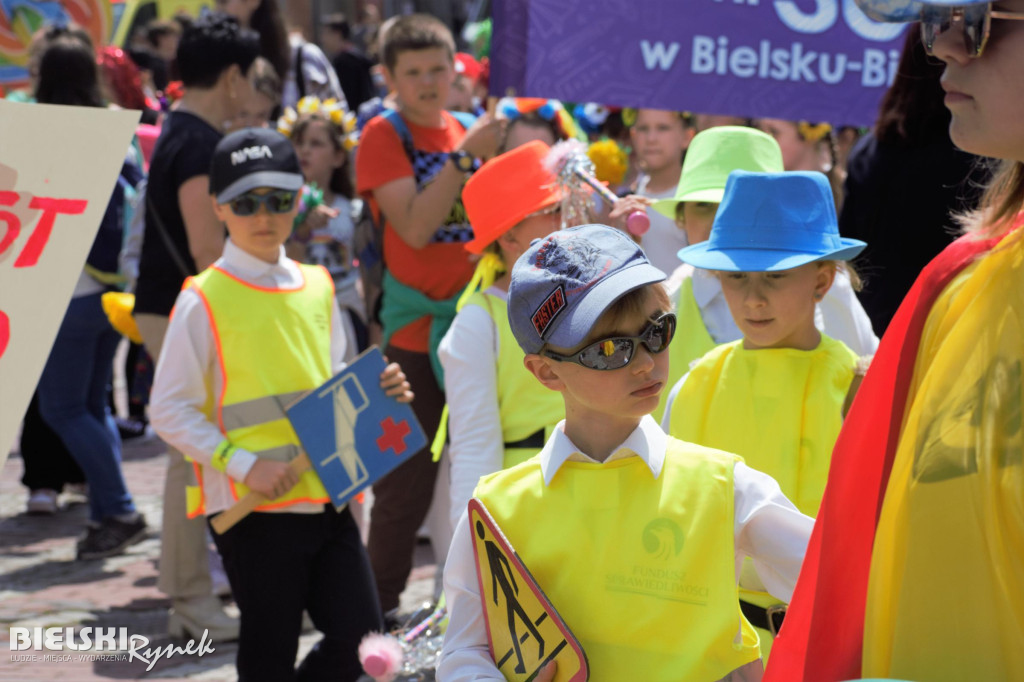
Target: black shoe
[(111, 537), (132, 427)]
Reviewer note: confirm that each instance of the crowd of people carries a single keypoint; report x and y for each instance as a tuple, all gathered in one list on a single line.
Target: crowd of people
[(708, 395)]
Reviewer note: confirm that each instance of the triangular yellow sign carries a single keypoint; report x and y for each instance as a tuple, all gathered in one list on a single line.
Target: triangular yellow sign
[(524, 631)]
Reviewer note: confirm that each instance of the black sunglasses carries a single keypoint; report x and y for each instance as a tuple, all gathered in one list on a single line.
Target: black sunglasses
[(975, 20), (280, 201), (618, 351)]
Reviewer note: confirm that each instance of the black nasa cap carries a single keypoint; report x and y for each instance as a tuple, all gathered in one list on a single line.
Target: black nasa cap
[(251, 158)]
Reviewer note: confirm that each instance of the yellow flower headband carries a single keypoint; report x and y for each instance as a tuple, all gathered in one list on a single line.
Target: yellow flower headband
[(812, 132), (333, 110)]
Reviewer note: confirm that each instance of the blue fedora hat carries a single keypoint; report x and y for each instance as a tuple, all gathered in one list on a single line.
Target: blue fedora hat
[(904, 11), (773, 221)]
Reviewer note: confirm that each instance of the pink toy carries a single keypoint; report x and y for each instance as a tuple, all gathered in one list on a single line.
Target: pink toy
[(569, 162), (380, 656)]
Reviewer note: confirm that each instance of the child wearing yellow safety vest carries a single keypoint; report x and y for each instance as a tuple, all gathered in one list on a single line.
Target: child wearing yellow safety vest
[(248, 335), (704, 318), (611, 503), (498, 414), (776, 396)]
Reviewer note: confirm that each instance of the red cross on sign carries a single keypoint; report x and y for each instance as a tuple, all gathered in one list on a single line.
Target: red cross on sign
[(393, 437)]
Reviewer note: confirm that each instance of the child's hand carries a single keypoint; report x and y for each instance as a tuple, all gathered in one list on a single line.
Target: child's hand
[(319, 217), (271, 479), (482, 140), (393, 381), (623, 208), (547, 673)]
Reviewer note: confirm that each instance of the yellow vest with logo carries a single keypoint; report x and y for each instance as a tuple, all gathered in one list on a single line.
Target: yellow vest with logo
[(272, 346), (778, 408), (646, 582), (691, 342), (525, 406)]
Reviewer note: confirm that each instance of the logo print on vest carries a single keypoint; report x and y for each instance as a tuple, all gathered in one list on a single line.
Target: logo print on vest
[(548, 310), (663, 538)]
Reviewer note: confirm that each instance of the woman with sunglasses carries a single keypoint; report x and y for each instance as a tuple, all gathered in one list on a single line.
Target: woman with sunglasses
[(776, 396), (918, 545)]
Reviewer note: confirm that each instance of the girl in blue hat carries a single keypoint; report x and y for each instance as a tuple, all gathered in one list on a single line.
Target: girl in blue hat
[(776, 396)]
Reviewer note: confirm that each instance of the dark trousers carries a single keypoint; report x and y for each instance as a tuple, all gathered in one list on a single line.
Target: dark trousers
[(401, 499), (281, 564), (48, 464)]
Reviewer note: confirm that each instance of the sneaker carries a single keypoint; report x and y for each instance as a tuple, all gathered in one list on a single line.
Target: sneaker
[(111, 537), (42, 501), (131, 428)]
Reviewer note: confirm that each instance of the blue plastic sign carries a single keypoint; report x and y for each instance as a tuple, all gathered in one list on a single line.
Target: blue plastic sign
[(352, 432)]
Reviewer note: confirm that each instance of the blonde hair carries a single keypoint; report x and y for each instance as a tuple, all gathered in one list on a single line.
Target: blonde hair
[(1002, 201)]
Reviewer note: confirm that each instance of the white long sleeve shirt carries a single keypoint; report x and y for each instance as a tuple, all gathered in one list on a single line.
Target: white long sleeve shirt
[(469, 355), (767, 528), (187, 375), (839, 314)]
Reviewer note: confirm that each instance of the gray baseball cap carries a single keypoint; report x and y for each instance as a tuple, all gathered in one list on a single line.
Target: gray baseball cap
[(563, 284)]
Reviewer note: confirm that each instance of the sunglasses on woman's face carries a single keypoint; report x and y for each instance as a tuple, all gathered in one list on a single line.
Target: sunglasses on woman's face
[(280, 201), (975, 23), (618, 351)]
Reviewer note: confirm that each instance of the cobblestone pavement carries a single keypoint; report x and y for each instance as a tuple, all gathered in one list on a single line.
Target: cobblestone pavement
[(42, 585)]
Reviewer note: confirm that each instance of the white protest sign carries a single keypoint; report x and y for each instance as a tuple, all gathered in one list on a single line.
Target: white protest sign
[(58, 167)]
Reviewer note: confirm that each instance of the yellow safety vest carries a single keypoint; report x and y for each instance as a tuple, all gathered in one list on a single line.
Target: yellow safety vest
[(646, 581), (525, 406), (778, 408), (691, 342), (272, 346)]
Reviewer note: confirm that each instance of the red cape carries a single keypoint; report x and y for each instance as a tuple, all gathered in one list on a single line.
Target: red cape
[(822, 638)]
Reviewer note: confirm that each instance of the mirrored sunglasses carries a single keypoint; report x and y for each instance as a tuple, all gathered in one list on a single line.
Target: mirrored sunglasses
[(975, 21), (618, 351), (280, 201)]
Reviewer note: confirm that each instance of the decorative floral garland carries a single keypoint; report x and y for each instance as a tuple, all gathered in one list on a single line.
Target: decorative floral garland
[(331, 109)]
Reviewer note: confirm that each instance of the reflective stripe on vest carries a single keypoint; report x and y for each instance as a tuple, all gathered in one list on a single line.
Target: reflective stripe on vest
[(691, 342), (778, 408), (272, 345), (524, 405), (647, 583)]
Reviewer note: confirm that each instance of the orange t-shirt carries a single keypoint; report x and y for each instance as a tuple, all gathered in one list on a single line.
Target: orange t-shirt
[(442, 267)]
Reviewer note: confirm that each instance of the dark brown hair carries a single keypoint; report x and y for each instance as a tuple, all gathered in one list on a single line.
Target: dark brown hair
[(413, 32), (912, 112), (274, 47), (68, 74), (341, 179)]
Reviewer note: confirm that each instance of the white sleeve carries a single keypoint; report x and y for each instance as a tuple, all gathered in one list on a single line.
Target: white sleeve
[(181, 388), (666, 418), (769, 530), (339, 340), (465, 655), (468, 354), (844, 318)]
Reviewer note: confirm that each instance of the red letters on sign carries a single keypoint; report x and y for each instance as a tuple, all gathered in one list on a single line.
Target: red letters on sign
[(5, 332), (29, 256)]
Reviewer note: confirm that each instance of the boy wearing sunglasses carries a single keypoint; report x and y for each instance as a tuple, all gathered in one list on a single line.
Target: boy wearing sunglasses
[(635, 537), (248, 335)]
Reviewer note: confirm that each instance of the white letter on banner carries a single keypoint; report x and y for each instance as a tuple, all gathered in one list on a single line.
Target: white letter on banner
[(743, 62), (703, 60), (828, 76), (866, 28), (818, 22), (873, 75), (657, 56)]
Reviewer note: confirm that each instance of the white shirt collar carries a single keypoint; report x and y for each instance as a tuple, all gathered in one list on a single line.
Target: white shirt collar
[(250, 267), (706, 287), (647, 441)]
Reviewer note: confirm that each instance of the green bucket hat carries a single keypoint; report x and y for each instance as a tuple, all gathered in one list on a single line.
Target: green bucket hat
[(715, 153)]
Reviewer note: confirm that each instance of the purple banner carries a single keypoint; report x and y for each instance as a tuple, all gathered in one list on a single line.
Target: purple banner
[(812, 60)]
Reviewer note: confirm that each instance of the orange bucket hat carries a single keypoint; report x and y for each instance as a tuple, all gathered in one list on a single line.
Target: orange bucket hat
[(505, 190)]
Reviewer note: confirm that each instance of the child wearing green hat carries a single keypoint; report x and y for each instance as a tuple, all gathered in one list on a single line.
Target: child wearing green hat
[(775, 249), (704, 318)]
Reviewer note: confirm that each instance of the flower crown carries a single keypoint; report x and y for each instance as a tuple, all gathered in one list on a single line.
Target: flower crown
[(331, 109), (812, 132), (550, 110)]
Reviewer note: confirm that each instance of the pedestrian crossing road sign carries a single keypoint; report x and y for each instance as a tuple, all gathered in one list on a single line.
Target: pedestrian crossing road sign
[(524, 631), (352, 432)]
